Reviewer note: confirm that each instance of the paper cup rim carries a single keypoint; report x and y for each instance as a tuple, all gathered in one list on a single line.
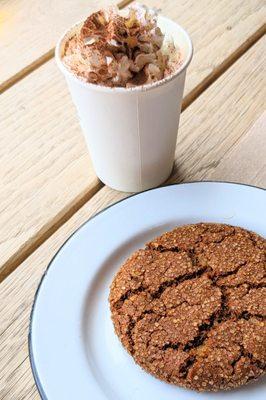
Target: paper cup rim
[(139, 88)]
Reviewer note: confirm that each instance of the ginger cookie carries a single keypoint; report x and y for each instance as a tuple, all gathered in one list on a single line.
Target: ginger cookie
[(190, 308)]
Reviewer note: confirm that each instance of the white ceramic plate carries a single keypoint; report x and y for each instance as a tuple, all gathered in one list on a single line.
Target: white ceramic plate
[(74, 352)]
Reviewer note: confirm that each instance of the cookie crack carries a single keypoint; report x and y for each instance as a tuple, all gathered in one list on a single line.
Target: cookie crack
[(250, 285), (241, 354), (217, 317), (118, 304), (226, 235), (203, 330), (258, 363), (174, 346), (224, 313), (233, 272), (247, 315), (131, 326), (184, 369), (161, 248), (251, 238), (176, 281)]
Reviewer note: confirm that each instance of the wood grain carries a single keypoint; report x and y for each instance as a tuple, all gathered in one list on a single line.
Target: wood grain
[(247, 158), (211, 131), (45, 172)]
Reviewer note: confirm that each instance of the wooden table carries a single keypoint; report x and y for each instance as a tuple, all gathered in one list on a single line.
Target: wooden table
[(47, 184)]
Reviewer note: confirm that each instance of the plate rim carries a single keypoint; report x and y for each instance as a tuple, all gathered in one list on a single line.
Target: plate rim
[(30, 350)]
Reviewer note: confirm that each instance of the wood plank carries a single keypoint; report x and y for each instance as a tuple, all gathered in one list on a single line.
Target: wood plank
[(44, 167), (211, 129), (29, 30)]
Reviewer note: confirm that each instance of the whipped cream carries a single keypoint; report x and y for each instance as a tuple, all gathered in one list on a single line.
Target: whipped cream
[(121, 49)]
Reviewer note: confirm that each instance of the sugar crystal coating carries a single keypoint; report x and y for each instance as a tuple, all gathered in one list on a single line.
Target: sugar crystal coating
[(190, 307)]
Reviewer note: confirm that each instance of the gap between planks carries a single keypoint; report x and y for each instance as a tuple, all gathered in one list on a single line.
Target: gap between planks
[(68, 211), (40, 61)]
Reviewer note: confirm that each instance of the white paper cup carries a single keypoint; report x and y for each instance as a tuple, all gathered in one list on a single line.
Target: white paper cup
[(131, 132)]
